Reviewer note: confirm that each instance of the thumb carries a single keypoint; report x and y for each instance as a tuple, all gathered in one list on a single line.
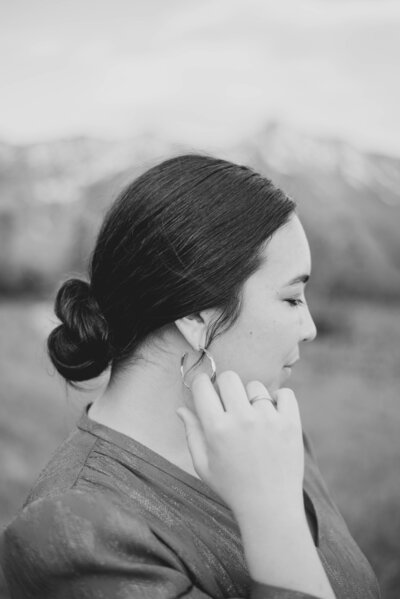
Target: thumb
[(195, 440)]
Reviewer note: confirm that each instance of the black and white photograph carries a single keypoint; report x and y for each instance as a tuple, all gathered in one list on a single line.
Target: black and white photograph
[(200, 299)]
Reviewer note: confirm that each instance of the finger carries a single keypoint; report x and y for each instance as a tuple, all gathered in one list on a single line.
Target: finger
[(287, 405), (195, 440), (255, 388), (232, 391), (206, 400)]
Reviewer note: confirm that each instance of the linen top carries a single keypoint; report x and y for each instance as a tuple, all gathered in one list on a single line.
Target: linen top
[(109, 518)]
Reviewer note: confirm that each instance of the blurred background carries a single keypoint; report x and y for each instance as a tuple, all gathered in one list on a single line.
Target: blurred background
[(305, 91)]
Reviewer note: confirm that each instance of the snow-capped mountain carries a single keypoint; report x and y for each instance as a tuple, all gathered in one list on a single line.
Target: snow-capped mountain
[(53, 195)]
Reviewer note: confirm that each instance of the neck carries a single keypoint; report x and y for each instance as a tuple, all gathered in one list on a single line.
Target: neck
[(141, 402)]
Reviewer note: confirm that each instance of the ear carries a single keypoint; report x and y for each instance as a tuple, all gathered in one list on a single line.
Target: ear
[(194, 328)]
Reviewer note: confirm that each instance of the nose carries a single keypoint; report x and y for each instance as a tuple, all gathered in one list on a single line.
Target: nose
[(309, 330)]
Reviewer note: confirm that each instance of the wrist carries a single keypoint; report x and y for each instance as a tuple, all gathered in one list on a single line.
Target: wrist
[(260, 508)]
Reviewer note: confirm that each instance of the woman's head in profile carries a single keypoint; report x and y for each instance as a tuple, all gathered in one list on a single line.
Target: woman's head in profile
[(196, 252)]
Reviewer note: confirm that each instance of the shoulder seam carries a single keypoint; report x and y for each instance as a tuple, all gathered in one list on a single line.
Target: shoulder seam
[(84, 463)]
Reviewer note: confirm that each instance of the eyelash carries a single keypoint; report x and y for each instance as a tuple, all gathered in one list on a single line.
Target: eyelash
[(295, 302)]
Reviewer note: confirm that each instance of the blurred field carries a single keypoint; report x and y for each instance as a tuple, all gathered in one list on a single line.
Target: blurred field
[(347, 384)]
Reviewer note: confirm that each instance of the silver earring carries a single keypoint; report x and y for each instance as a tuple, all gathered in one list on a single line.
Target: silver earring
[(209, 356)]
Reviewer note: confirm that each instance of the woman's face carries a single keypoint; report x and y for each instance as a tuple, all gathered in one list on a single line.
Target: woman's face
[(275, 318)]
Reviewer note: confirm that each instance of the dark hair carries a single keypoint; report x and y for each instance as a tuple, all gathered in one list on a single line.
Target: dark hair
[(182, 238)]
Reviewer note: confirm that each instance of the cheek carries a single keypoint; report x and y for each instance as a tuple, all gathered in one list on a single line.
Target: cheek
[(257, 346), (264, 343), (245, 346), (277, 336), (272, 341)]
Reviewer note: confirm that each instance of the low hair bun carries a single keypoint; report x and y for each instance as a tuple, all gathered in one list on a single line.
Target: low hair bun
[(79, 347)]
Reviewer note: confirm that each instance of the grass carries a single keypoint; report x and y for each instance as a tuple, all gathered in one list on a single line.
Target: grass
[(347, 384)]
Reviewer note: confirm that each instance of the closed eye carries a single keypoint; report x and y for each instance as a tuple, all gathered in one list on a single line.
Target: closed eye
[(294, 302)]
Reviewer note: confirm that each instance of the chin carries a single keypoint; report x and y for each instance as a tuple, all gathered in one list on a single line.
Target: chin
[(278, 381), (274, 385), (284, 376)]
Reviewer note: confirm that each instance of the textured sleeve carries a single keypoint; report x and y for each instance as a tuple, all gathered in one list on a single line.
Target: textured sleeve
[(258, 590), (79, 546)]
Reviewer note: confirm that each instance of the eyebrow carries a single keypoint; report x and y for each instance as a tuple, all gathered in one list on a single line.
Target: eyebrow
[(300, 279)]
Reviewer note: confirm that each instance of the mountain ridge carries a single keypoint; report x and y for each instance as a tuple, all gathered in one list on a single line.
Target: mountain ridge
[(53, 197)]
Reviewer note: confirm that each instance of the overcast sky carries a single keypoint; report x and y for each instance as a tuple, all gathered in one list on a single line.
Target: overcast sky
[(201, 71)]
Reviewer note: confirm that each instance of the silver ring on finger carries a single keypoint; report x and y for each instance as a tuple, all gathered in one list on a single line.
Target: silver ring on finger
[(259, 397)]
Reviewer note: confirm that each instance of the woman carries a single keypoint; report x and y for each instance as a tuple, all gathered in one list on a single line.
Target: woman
[(200, 266)]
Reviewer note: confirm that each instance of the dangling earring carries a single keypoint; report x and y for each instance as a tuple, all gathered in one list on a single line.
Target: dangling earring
[(209, 356)]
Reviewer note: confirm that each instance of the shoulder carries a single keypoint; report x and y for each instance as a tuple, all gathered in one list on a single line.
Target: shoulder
[(76, 527), (72, 521), (64, 467), (77, 533)]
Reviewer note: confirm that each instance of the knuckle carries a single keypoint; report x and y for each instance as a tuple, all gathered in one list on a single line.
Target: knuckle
[(287, 395), (255, 382), (199, 380), (227, 376), (286, 392), (201, 376), (256, 387)]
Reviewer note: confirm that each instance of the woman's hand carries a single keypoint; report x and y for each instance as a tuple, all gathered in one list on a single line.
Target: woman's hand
[(252, 456)]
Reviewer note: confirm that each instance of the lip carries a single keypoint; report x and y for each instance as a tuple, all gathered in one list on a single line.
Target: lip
[(291, 363)]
